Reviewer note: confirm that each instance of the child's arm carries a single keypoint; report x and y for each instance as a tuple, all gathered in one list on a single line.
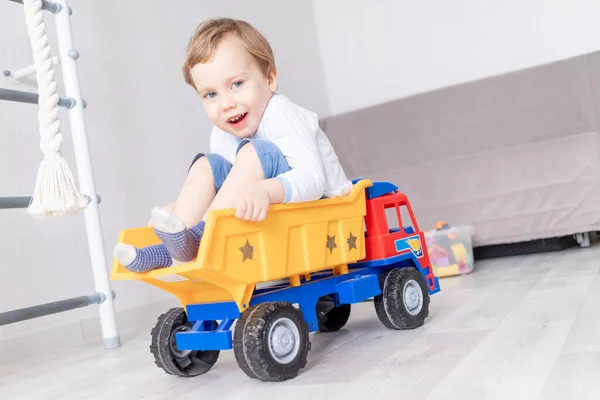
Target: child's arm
[(275, 189), (294, 135)]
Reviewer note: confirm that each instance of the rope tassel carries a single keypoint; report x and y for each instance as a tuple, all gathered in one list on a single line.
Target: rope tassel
[(55, 193)]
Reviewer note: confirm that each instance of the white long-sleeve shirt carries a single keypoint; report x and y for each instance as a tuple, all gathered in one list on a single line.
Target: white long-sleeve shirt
[(315, 169)]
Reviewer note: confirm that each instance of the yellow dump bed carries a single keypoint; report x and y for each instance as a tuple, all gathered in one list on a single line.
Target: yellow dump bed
[(235, 255)]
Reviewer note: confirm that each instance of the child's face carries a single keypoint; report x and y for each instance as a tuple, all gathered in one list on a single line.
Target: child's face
[(233, 89)]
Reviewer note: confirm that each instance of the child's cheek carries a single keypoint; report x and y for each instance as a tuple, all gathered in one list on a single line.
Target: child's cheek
[(213, 112)]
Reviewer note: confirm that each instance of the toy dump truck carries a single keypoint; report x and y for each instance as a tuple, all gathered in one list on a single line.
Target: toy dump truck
[(296, 272)]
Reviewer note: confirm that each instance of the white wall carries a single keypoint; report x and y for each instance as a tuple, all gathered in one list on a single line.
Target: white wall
[(144, 124), (380, 50)]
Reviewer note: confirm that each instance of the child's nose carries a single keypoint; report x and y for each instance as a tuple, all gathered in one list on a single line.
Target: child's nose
[(228, 102)]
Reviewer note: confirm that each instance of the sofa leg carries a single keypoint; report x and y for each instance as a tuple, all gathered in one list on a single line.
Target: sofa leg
[(583, 239)]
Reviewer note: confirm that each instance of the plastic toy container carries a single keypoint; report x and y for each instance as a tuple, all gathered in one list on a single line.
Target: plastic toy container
[(451, 250)]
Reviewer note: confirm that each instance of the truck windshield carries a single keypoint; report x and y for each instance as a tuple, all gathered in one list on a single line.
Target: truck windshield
[(397, 216)]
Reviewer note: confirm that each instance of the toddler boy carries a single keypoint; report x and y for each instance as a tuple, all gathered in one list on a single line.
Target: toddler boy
[(264, 148)]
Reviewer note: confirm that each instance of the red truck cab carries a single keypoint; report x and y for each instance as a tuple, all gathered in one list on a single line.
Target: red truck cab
[(387, 244)]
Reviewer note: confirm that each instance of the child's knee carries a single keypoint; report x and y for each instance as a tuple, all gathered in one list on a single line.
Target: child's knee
[(214, 165), (246, 150), (267, 154), (200, 166)]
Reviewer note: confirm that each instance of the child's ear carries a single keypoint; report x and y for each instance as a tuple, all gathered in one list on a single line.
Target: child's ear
[(273, 85)]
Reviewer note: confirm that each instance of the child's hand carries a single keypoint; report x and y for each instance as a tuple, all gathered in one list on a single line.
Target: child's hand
[(253, 203)]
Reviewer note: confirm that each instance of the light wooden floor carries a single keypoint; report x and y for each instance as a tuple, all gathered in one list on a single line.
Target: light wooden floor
[(517, 328)]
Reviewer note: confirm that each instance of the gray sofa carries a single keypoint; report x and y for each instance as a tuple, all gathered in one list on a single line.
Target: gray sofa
[(517, 156)]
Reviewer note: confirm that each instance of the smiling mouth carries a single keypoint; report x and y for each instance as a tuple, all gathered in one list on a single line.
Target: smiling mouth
[(237, 119)]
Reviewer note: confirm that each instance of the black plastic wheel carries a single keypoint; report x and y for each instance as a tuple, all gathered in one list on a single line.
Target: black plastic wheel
[(271, 341), (404, 302), (186, 363), (330, 317)]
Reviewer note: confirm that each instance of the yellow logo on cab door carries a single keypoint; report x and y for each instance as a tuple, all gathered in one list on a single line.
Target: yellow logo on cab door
[(415, 244)]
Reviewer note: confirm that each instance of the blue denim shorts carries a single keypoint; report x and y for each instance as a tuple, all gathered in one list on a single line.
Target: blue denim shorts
[(272, 160)]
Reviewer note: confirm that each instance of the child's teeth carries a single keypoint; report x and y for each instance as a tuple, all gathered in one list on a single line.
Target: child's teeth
[(236, 118)]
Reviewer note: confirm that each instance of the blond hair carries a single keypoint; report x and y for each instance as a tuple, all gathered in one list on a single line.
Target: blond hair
[(209, 34)]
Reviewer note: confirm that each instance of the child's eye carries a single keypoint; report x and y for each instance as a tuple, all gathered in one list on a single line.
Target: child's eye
[(238, 84), (210, 95)]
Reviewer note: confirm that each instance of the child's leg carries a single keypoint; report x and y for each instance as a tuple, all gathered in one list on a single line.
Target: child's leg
[(180, 230), (246, 170), (205, 177), (256, 160), (183, 243), (144, 259)]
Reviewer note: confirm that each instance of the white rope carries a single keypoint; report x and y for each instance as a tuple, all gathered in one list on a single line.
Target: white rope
[(55, 193)]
